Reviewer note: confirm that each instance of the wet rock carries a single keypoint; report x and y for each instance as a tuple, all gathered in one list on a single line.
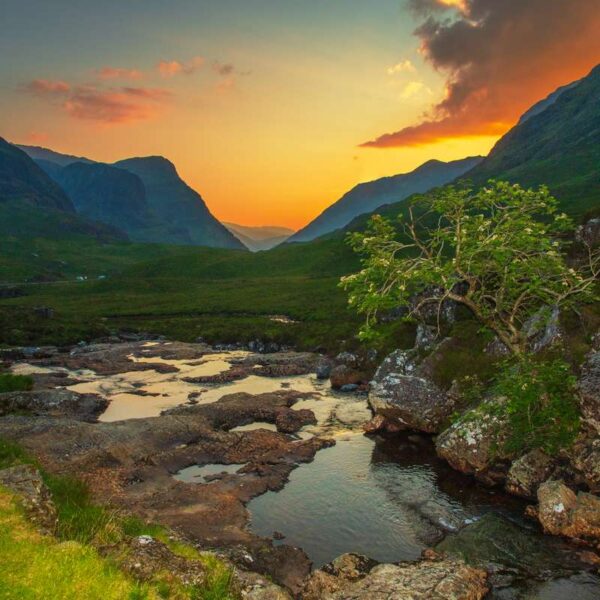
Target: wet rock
[(527, 473), (542, 329), (562, 512), (508, 551), (291, 421), (349, 387), (323, 370), (342, 375), (474, 443), (403, 392), (424, 580), (26, 481), (57, 403), (380, 424)]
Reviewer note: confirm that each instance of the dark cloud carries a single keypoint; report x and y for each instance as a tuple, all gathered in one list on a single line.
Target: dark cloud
[(499, 57)]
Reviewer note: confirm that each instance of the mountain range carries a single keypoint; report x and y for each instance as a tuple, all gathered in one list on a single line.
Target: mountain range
[(260, 238), (368, 197)]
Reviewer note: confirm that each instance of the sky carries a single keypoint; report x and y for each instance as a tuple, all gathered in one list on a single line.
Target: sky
[(273, 109)]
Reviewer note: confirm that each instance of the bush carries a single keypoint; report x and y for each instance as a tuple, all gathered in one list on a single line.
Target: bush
[(541, 405), (15, 383)]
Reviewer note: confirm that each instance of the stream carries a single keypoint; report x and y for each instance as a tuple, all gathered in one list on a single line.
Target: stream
[(385, 497)]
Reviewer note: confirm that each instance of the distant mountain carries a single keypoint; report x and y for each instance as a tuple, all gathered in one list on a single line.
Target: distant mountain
[(367, 197), (260, 238), (177, 205), (22, 180), (107, 194), (39, 153), (558, 144)]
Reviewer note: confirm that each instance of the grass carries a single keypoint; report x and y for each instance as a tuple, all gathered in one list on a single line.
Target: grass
[(83, 526), (15, 383)]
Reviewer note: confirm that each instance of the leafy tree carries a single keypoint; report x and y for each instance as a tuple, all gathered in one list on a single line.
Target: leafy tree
[(496, 250)]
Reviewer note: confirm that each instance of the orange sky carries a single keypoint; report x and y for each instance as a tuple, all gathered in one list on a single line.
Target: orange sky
[(271, 114)]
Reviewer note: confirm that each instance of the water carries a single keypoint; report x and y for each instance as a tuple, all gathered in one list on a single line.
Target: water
[(199, 473), (383, 498)]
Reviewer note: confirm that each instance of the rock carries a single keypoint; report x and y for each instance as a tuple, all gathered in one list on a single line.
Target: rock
[(277, 535), (147, 556), (589, 389), (403, 392), (425, 580), (44, 312), (349, 387), (255, 587), (350, 566), (589, 233), (348, 359), (343, 375), (426, 337), (508, 551), (379, 424), (527, 473), (323, 370), (584, 459), (291, 421), (562, 512), (473, 444), (542, 329), (57, 403), (26, 481), (497, 348)]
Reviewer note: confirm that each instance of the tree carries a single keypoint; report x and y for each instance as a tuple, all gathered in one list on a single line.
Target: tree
[(496, 250)]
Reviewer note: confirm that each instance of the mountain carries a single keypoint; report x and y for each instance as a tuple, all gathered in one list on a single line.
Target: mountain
[(38, 153), (367, 197), (177, 205), (107, 194), (260, 238), (24, 181), (557, 144)]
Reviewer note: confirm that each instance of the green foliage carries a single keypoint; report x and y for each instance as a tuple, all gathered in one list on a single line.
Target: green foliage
[(15, 383), (541, 405), (496, 251), (13, 454)]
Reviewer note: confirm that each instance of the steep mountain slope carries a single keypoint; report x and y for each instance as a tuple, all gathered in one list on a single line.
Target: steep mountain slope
[(110, 195), (259, 238), (367, 197), (177, 205), (39, 153), (558, 146), (22, 180)]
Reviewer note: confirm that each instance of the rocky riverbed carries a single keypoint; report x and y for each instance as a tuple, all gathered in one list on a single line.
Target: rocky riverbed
[(255, 455)]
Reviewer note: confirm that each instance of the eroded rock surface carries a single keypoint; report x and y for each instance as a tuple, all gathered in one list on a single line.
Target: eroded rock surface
[(437, 579), (404, 393), (26, 482), (562, 512), (54, 402)]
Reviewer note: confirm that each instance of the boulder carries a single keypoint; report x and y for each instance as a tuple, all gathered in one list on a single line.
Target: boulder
[(562, 512), (543, 329), (344, 375), (473, 444), (57, 403), (589, 389), (403, 392), (436, 579), (527, 473), (323, 369), (26, 482)]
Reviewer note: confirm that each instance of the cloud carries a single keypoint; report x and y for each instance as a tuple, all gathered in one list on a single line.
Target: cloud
[(45, 87), (412, 88), (119, 73), (169, 68), (404, 66), (223, 69), (103, 105), (498, 58)]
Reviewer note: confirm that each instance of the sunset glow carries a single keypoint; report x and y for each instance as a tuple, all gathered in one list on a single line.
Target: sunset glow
[(272, 110)]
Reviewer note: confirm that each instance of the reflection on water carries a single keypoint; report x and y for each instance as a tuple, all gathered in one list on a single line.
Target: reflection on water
[(382, 499), (198, 474)]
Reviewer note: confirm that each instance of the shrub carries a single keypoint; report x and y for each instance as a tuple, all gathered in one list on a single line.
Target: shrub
[(541, 405)]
